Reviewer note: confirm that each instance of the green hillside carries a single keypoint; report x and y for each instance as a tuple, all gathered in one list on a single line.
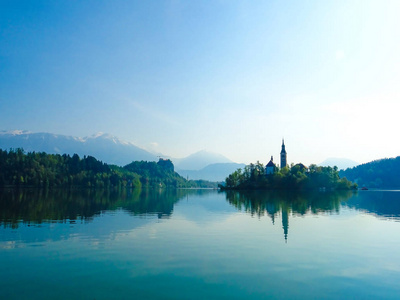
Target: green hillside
[(39, 169), (383, 173)]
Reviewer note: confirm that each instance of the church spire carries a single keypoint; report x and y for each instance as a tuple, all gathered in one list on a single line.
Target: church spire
[(283, 155)]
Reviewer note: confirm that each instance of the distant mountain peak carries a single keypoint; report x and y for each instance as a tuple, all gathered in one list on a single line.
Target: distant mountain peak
[(199, 160), (100, 134), (14, 132), (212, 172), (106, 136), (206, 152), (341, 163)]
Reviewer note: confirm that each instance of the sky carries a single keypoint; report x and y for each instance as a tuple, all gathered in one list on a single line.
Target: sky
[(231, 77)]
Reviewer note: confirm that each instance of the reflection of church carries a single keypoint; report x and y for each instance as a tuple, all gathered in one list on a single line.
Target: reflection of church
[(271, 167), (272, 211)]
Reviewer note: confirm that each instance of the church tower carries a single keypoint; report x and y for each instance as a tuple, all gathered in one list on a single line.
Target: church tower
[(283, 155)]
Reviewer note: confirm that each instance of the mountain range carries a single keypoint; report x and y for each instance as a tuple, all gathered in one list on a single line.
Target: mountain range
[(104, 147), (199, 160), (112, 150), (212, 172)]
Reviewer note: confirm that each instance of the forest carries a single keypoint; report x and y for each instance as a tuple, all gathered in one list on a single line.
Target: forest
[(39, 169), (295, 177), (383, 173)]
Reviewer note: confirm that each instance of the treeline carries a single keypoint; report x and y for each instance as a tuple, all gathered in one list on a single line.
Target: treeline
[(295, 177), (38, 169), (383, 173)]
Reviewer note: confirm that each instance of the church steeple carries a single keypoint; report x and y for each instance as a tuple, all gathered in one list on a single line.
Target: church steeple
[(283, 155), (285, 222)]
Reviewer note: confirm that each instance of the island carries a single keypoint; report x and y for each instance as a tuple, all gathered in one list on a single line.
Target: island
[(293, 177)]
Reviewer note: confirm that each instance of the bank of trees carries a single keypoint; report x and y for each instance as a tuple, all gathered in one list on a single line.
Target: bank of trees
[(295, 177), (160, 173), (383, 173), (38, 169)]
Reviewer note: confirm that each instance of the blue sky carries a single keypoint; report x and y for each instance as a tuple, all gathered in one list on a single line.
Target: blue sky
[(232, 77)]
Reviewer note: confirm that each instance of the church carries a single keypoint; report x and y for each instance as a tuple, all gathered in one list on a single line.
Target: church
[(271, 167)]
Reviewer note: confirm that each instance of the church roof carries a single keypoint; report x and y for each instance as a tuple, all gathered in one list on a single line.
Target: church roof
[(271, 163)]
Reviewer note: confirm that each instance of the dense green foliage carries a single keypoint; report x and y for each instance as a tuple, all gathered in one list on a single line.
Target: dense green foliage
[(162, 174), (296, 177), (153, 174), (383, 173), (36, 169), (39, 169)]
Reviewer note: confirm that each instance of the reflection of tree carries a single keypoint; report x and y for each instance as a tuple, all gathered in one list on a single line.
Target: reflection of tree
[(385, 204), (39, 205), (286, 203)]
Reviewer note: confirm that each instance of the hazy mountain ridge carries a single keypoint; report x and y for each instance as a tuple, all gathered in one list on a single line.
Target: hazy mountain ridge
[(212, 172), (104, 147), (199, 160), (341, 163)]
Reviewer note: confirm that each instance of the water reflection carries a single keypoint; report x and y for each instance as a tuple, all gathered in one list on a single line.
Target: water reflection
[(382, 204), (274, 203), (36, 206), (204, 250)]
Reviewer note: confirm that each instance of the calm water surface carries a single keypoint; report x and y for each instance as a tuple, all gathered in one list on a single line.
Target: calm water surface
[(198, 244)]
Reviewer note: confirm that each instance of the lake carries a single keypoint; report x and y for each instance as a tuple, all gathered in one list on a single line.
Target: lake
[(199, 244)]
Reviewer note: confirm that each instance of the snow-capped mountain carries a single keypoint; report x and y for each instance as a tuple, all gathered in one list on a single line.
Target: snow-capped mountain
[(105, 147), (112, 150)]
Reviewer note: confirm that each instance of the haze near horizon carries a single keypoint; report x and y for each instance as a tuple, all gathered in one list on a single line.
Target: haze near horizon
[(234, 78)]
